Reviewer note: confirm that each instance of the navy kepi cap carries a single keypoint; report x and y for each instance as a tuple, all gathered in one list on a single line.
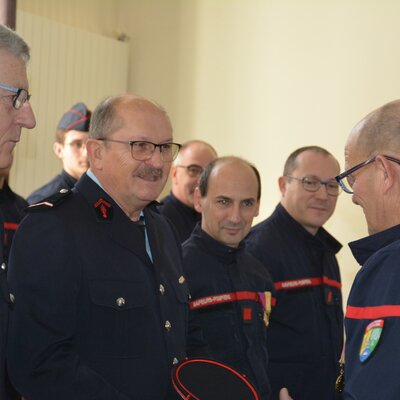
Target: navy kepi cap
[(76, 118)]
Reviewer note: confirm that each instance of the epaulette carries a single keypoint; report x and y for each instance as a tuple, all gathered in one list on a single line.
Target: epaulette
[(52, 201)]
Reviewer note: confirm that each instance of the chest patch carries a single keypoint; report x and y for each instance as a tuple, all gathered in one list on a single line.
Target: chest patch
[(371, 338)]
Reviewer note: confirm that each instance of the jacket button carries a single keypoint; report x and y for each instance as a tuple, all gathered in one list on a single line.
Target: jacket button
[(168, 325), (3, 266), (120, 301), (12, 298), (175, 361), (162, 289)]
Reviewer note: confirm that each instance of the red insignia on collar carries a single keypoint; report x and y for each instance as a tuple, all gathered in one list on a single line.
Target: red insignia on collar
[(103, 208)]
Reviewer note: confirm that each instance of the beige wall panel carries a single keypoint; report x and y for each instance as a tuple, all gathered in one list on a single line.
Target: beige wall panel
[(97, 16), (67, 65)]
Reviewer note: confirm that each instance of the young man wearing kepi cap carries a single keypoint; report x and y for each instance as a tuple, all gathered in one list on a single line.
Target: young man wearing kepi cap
[(70, 147)]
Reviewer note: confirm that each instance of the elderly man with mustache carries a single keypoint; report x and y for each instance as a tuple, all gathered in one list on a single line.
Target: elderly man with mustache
[(100, 296)]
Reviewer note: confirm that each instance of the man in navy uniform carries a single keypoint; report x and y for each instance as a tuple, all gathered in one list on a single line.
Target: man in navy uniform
[(185, 173), (231, 290), (70, 148), (372, 320), (306, 333), (100, 306), (15, 113)]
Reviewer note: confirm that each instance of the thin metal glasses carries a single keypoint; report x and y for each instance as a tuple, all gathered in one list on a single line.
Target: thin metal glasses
[(193, 170), (351, 179), (142, 150), (313, 184), (20, 97)]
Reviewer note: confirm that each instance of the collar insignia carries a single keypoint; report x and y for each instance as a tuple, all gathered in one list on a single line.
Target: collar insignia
[(104, 209)]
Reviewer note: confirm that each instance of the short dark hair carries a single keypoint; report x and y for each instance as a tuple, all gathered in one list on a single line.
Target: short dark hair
[(291, 162), (204, 178)]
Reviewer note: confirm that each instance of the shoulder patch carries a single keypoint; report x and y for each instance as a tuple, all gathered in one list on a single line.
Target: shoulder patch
[(52, 201)]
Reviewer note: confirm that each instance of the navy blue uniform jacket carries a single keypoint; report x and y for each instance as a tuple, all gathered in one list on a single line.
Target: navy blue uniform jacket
[(93, 317), (61, 181), (183, 217), (235, 331), (305, 336), (375, 296)]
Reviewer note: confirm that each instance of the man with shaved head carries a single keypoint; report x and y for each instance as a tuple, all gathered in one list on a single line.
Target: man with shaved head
[(100, 296), (372, 320), (185, 173)]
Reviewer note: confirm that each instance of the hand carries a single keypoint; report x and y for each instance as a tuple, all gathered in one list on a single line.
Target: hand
[(284, 394)]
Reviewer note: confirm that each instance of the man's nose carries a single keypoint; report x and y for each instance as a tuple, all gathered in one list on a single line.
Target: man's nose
[(25, 116)]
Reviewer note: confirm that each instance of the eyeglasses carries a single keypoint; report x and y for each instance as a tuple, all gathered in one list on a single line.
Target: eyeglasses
[(20, 97), (193, 170), (142, 150), (77, 145), (313, 184), (351, 179)]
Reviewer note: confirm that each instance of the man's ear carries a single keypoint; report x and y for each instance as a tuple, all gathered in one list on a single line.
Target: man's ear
[(387, 170), (58, 149), (282, 185), (197, 200), (95, 152), (173, 173)]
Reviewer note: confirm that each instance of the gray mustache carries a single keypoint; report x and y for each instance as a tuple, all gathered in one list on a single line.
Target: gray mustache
[(149, 172)]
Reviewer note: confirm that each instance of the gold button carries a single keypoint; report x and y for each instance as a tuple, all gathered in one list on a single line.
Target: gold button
[(120, 301), (168, 325), (162, 289)]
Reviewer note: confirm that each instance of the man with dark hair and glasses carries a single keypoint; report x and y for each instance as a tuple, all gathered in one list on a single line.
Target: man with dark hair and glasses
[(306, 331), (185, 173), (70, 148), (372, 320), (101, 298), (15, 113)]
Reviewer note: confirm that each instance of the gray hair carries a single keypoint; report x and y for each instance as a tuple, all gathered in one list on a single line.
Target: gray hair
[(13, 43)]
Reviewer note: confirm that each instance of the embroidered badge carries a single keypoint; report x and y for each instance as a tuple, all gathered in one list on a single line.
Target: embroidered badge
[(371, 338), (103, 209), (265, 299)]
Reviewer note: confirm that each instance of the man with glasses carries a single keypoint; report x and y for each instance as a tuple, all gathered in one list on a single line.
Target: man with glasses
[(70, 148), (101, 299), (15, 113), (305, 335), (372, 320), (185, 173)]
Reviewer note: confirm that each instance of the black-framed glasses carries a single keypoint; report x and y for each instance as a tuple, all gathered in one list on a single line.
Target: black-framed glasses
[(351, 179), (20, 97), (313, 184), (142, 150), (193, 170)]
